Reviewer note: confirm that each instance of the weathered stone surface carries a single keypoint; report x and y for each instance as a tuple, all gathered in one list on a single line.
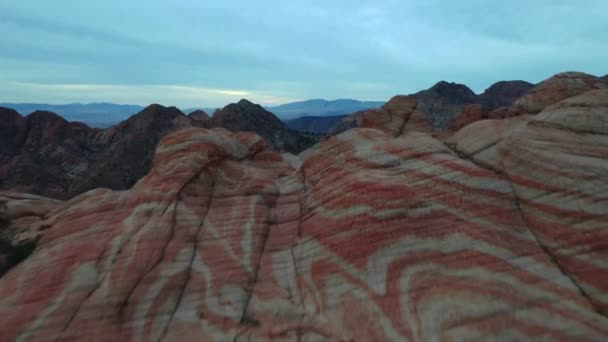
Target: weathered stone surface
[(479, 140), (558, 165), (372, 235), (551, 91)]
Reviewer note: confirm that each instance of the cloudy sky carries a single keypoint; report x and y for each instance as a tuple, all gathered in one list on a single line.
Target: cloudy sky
[(206, 53)]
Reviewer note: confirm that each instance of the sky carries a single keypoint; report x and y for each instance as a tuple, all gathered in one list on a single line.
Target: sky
[(197, 53)]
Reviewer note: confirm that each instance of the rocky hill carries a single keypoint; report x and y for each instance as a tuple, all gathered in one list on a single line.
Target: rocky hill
[(444, 101), (503, 94), (381, 233), (245, 116)]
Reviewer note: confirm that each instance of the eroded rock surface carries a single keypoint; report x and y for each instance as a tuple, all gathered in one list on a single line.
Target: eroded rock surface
[(379, 233)]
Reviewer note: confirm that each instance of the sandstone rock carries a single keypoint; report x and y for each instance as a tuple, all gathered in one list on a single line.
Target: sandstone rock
[(478, 141), (558, 166), (372, 238), (551, 91)]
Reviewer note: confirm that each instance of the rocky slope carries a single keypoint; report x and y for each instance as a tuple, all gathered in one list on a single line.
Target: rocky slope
[(379, 233)]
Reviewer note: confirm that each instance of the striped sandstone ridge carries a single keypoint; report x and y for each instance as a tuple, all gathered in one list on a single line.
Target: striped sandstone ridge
[(377, 234)]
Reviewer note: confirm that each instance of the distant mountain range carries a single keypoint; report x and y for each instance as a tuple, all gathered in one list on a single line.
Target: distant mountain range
[(103, 115), (99, 115), (320, 107)]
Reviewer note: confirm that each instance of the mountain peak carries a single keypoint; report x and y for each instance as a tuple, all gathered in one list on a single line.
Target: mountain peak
[(246, 103)]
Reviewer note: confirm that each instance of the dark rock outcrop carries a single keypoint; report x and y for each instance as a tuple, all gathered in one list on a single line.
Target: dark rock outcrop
[(444, 102), (245, 116), (503, 94)]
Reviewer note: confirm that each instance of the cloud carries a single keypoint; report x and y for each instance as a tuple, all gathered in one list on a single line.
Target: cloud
[(175, 95), (279, 50)]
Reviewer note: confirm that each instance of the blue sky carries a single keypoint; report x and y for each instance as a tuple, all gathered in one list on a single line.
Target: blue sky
[(208, 53)]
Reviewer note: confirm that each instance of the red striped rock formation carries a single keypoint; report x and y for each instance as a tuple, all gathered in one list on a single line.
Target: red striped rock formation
[(380, 234)]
